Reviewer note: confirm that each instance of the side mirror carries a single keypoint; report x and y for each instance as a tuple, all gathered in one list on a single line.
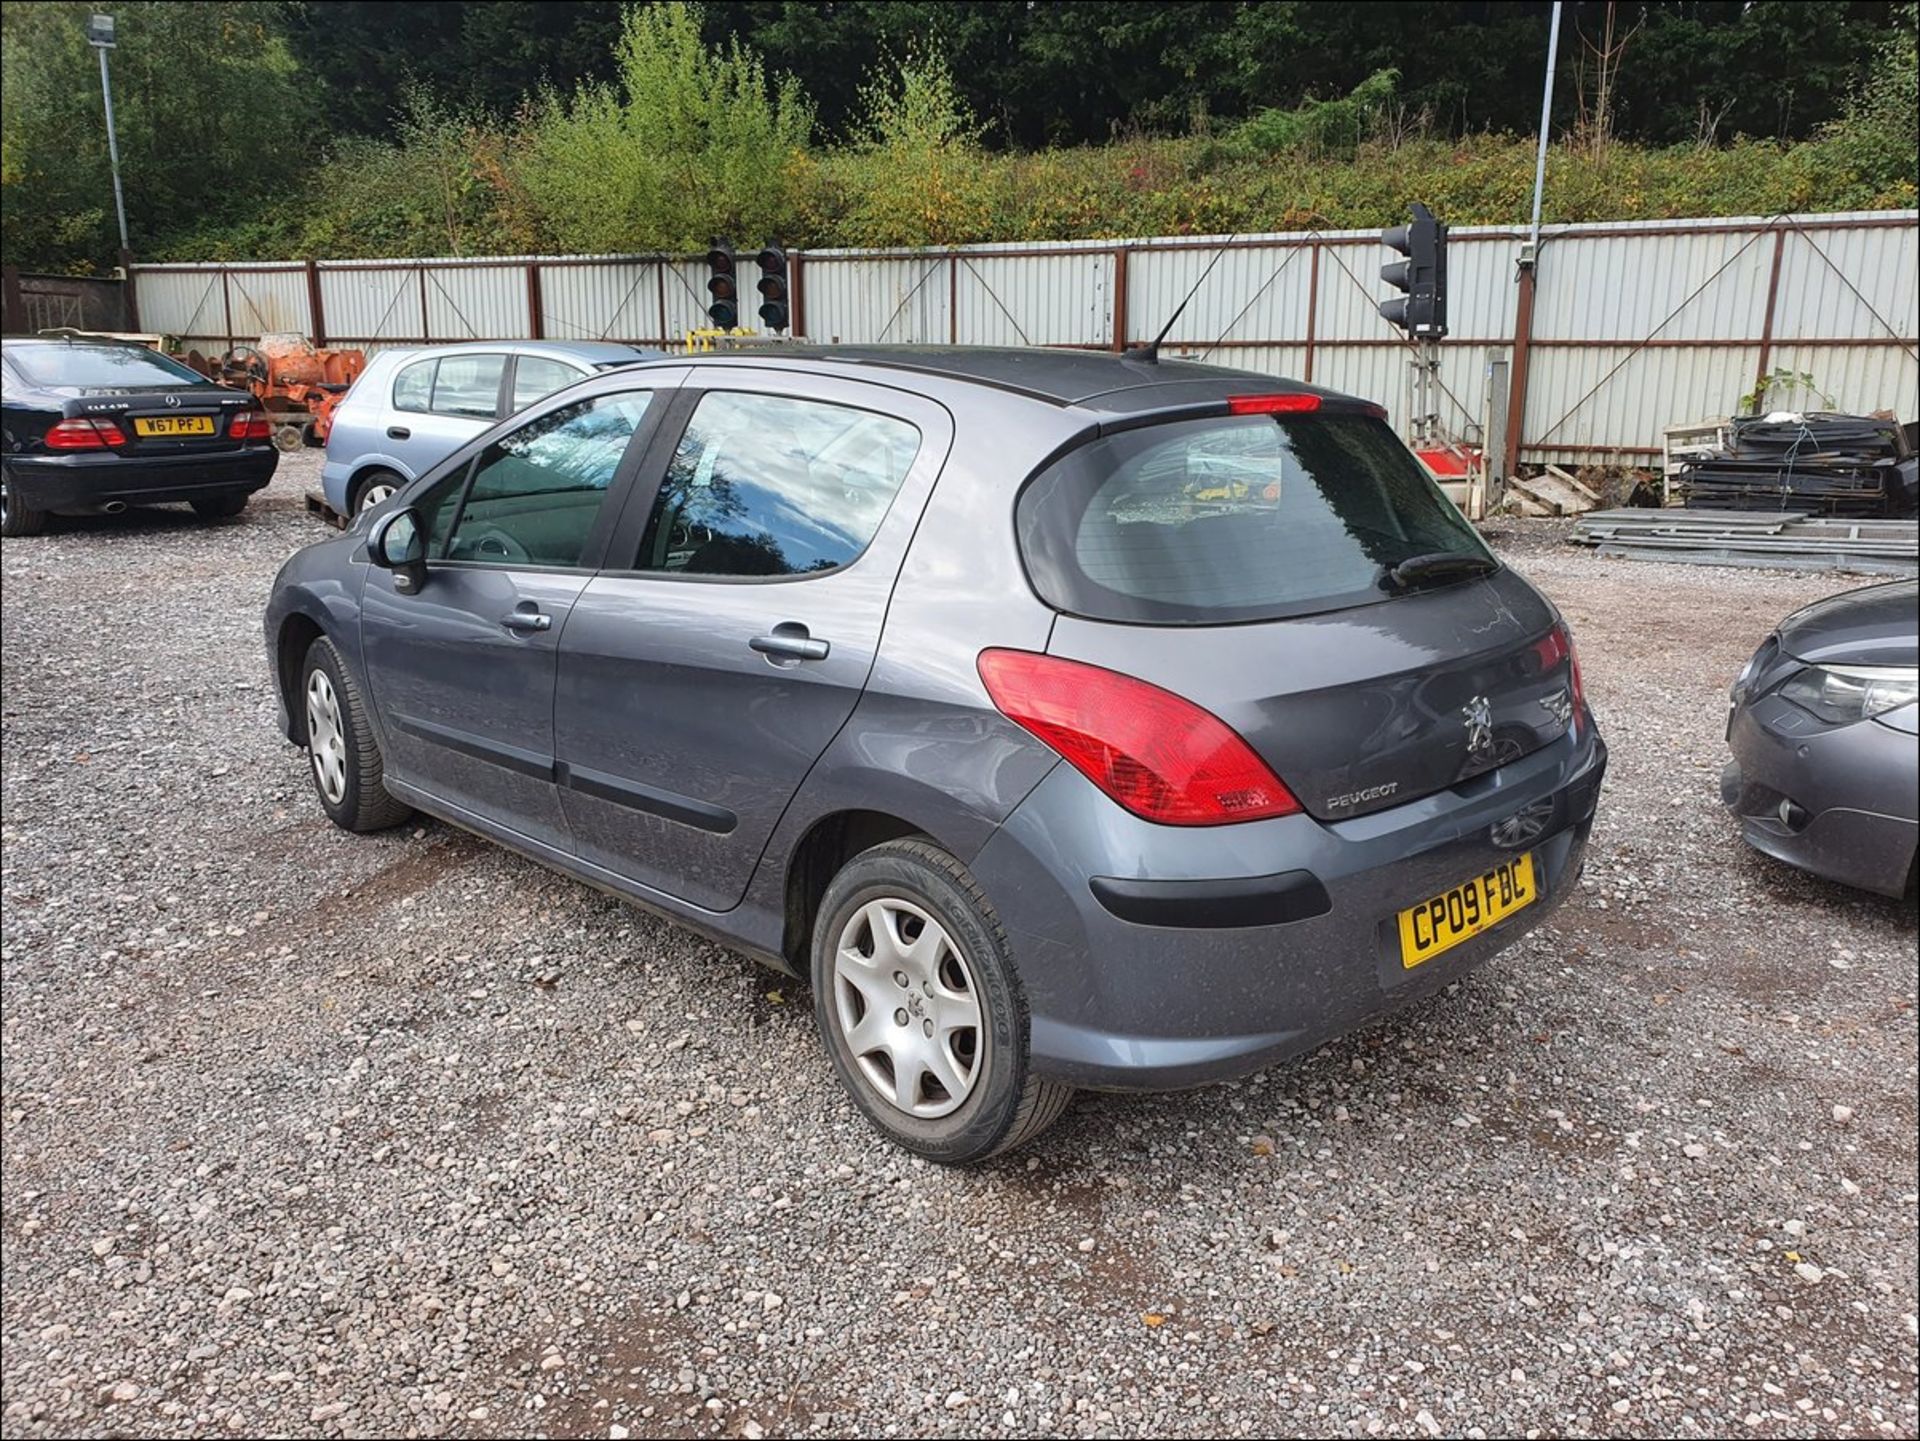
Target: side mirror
[(397, 544)]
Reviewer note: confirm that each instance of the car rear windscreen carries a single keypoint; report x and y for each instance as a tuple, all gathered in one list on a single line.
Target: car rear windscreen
[(1233, 518), (100, 367)]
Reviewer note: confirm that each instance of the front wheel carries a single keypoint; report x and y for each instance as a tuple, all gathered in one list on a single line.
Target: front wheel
[(224, 506), (918, 1003), (347, 769)]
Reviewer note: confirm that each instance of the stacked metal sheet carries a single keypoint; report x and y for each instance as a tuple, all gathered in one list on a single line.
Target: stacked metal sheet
[(1818, 463), (1787, 540)]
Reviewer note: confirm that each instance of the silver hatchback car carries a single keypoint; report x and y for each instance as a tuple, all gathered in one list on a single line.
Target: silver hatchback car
[(1068, 720), (410, 409)]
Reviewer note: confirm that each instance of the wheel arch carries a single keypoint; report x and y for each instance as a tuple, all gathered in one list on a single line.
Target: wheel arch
[(298, 631), (817, 857), (363, 472)]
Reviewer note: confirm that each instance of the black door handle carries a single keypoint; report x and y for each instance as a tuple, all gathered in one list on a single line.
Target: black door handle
[(789, 642), (398, 432)]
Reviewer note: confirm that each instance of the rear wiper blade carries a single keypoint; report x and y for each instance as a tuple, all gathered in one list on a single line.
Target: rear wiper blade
[(1438, 563)]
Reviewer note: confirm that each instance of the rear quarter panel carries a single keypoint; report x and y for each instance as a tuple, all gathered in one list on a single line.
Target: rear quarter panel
[(925, 743)]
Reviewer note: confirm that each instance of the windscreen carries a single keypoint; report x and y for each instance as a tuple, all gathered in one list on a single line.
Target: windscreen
[(100, 367), (1233, 518)]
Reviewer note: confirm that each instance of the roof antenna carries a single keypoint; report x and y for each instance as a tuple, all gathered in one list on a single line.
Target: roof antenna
[(1149, 354)]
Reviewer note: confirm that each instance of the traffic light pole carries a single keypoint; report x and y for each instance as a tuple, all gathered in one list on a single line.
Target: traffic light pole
[(1423, 419)]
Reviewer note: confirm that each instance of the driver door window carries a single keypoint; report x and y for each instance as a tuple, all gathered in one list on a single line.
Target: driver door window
[(532, 497)]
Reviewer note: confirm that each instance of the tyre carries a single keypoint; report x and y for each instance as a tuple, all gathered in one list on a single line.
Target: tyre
[(224, 506), (347, 772), (372, 488), (919, 1006), (17, 519)]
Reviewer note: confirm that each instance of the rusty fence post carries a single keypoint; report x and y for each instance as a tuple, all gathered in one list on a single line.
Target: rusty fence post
[(1766, 323), (129, 300), (1313, 306), (316, 313), (1121, 255), (798, 294), (1522, 355), (536, 325)]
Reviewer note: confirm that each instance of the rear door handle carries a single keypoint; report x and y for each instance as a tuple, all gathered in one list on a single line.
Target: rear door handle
[(398, 432), (526, 620), (790, 642)]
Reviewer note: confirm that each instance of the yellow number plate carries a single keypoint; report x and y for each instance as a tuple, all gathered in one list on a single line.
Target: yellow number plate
[(170, 425), (1468, 909)]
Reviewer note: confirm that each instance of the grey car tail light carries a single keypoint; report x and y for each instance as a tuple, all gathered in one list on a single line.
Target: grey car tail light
[(1161, 757)]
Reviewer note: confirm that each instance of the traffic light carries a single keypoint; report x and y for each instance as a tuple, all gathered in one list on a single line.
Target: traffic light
[(773, 287), (724, 286), (1422, 275)]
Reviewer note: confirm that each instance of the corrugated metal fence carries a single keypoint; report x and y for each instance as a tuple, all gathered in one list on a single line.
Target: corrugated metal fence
[(1618, 331)]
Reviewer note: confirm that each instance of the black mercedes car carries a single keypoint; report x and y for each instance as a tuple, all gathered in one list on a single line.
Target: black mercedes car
[(93, 426)]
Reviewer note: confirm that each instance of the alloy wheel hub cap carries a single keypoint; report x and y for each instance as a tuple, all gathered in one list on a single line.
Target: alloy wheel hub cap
[(908, 1009), (326, 739)]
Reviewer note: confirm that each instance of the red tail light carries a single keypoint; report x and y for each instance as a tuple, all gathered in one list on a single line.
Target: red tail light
[(1555, 645), (1271, 404), (250, 425), (1163, 758), (83, 435)]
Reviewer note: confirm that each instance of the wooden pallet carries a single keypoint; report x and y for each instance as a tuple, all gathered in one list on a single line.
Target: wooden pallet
[(317, 505)]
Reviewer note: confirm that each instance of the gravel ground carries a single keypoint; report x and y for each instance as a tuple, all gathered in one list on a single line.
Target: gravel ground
[(314, 1135)]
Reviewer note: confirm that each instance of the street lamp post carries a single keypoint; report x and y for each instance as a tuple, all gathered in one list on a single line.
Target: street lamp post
[(100, 37)]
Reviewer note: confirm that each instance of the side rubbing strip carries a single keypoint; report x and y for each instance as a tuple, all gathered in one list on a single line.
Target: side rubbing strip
[(527, 763), (665, 804)]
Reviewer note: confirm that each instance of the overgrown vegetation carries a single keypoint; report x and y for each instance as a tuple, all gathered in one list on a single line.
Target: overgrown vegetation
[(685, 135)]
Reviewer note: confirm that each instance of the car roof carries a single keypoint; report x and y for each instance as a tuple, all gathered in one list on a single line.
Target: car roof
[(1086, 379), (73, 342), (590, 352)]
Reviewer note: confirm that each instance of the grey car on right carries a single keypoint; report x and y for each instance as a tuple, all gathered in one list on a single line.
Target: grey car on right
[(1068, 720), (1823, 720)]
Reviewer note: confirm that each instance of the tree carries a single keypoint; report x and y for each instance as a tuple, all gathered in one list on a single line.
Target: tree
[(364, 55), (690, 141), (211, 113)]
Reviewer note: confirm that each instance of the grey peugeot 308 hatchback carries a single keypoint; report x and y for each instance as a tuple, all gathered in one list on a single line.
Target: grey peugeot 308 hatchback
[(1067, 720)]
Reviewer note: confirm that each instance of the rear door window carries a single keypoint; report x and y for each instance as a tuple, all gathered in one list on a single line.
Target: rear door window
[(770, 485), (1233, 518), (468, 385)]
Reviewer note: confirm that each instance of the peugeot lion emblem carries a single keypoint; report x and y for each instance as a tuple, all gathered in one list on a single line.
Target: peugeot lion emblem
[(1479, 719), (174, 401)]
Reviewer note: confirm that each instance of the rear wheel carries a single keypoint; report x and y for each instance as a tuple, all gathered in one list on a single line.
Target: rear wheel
[(17, 519), (372, 488), (345, 758), (220, 507), (916, 998)]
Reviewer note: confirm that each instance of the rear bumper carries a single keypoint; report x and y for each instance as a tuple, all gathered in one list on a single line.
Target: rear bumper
[(1838, 801), (87, 482), (1128, 991)]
